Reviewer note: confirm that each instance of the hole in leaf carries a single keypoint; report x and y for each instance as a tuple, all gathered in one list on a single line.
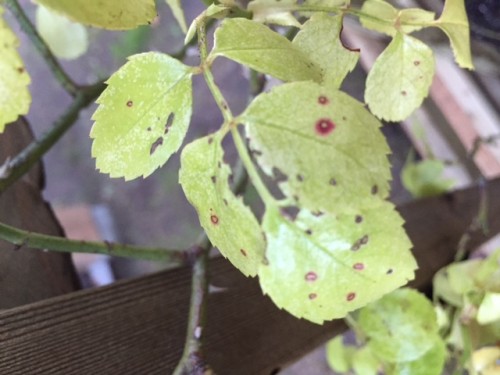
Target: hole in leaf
[(155, 145), (290, 212), (214, 219), (324, 126), (170, 121), (351, 296), (311, 276), (256, 152), (323, 100), (278, 175), (130, 103)]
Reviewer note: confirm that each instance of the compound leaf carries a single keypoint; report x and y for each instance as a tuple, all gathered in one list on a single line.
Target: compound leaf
[(401, 326), (143, 115), (327, 144), (321, 267), (15, 98), (178, 12), (66, 39), (320, 40), (228, 223), (400, 78), (110, 14), (454, 23), (255, 45)]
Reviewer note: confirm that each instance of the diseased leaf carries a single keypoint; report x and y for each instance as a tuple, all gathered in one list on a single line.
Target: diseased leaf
[(425, 178), (110, 14), (143, 115), (178, 12), (320, 40), (401, 326), (255, 45), (400, 78), (274, 11), (15, 98), (327, 144), (66, 39), (228, 223), (379, 15), (431, 363), (321, 267), (454, 23)]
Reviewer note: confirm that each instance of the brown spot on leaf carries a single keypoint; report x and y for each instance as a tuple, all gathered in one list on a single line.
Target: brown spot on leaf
[(214, 179), (130, 103), (214, 219), (313, 296), (324, 126), (210, 140), (364, 240), (333, 182), (243, 252), (358, 266), (170, 121), (416, 63), (311, 276), (358, 219), (225, 201), (318, 213), (149, 128), (389, 271), (155, 145), (323, 100), (404, 93), (351, 296), (300, 178), (20, 70), (309, 232), (374, 189)]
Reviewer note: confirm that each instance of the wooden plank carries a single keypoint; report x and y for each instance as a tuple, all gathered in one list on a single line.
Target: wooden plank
[(138, 326)]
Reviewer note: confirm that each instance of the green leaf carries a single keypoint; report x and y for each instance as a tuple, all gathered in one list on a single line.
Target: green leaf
[(255, 45), (442, 289), (339, 356), (489, 310), (487, 275), (15, 98), (431, 363), (66, 39), (321, 267), (326, 143), (460, 275), (143, 115), (400, 327), (110, 14), (379, 15), (365, 363), (454, 23), (320, 40), (425, 178), (274, 11), (228, 223), (400, 78), (178, 12)]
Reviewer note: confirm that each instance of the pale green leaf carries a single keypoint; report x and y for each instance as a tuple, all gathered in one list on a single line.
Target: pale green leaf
[(365, 363), (400, 78), (255, 45), (487, 275), (425, 178), (379, 15), (228, 223), (339, 356), (328, 3), (431, 363), (66, 39), (454, 23), (442, 289), (15, 98), (274, 11), (320, 40), (143, 115), (460, 276), (110, 14), (327, 144), (178, 12), (401, 326), (321, 267), (489, 310)]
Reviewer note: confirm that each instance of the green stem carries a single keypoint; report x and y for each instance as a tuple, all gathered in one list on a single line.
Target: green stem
[(30, 30), (13, 169), (20, 239)]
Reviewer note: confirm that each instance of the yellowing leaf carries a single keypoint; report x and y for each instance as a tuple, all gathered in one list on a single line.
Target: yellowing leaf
[(255, 45), (400, 78), (321, 267), (178, 12), (454, 23), (66, 39), (15, 98), (327, 144), (320, 40), (274, 11), (143, 115), (109, 14), (228, 223)]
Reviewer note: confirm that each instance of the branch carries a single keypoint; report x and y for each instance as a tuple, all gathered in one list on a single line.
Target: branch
[(21, 238), (13, 169), (30, 30)]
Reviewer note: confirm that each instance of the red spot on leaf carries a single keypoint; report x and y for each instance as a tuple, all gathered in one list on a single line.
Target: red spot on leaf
[(214, 219), (312, 296), (242, 251), (324, 126), (323, 100), (358, 266), (130, 103), (351, 296), (311, 276)]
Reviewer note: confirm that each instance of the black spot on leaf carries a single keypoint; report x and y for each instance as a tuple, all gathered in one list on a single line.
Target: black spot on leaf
[(170, 121), (155, 145)]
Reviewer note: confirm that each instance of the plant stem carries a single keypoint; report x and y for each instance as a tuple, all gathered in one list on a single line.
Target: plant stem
[(30, 30), (13, 169), (192, 362), (21, 238)]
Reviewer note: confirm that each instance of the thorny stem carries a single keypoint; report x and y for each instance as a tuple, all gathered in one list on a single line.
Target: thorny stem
[(13, 169), (30, 30), (21, 239)]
